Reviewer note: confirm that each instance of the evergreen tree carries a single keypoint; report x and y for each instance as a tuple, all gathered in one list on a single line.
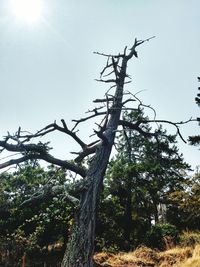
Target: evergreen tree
[(139, 179), (31, 228), (184, 210)]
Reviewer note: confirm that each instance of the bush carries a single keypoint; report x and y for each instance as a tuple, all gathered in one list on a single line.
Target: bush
[(162, 236)]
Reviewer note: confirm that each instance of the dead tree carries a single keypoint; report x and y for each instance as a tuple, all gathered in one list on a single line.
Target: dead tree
[(84, 193)]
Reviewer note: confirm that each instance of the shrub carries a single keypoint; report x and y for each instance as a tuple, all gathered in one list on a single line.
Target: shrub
[(162, 236)]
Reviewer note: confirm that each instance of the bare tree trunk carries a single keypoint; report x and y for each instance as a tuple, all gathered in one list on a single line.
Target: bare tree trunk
[(80, 247)]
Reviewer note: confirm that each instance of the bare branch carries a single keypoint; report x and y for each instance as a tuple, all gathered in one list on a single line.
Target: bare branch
[(90, 149), (128, 100), (125, 50), (103, 100), (107, 66), (106, 75), (141, 104), (37, 148), (48, 192), (106, 81), (96, 110), (16, 154), (115, 65), (133, 52), (86, 152), (87, 118), (65, 164), (135, 126), (175, 124), (50, 128), (16, 161), (37, 151), (73, 135), (109, 55)]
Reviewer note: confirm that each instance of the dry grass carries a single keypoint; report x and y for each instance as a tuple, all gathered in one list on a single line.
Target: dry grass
[(146, 257), (189, 238), (174, 256), (194, 261), (143, 256)]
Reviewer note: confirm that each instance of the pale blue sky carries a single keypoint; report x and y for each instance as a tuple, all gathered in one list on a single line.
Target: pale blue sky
[(47, 69)]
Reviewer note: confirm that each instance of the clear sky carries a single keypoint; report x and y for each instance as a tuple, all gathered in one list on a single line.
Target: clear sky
[(47, 68)]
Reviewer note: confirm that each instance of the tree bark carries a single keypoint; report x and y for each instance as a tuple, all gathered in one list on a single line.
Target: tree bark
[(80, 247)]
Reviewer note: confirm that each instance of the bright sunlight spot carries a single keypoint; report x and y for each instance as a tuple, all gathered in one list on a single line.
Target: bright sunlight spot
[(29, 11)]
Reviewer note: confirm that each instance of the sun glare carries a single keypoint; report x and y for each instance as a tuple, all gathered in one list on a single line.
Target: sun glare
[(29, 11)]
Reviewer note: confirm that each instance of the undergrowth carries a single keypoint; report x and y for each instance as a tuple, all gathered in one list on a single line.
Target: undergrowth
[(186, 254)]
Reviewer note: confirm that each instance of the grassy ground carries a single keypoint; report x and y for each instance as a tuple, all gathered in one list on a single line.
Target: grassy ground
[(146, 257)]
